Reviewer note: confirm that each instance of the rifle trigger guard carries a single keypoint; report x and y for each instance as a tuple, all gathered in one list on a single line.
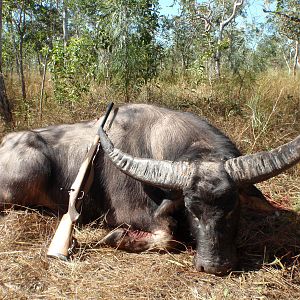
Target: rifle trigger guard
[(73, 246), (81, 196)]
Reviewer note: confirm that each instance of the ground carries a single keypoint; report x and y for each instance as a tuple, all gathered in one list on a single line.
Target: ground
[(268, 249), (268, 244)]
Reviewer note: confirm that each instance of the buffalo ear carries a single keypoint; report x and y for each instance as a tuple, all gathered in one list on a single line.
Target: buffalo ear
[(251, 197)]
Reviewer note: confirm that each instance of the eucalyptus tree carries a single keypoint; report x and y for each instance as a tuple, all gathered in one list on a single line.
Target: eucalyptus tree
[(73, 51), (188, 37), (186, 42), (4, 103), (110, 40), (65, 17), (131, 30), (204, 26), (286, 16), (17, 17), (219, 15), (31, 28), (42, 29)]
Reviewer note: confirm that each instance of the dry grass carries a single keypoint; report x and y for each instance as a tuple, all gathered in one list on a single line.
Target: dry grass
[(268, 249), (257, 117)]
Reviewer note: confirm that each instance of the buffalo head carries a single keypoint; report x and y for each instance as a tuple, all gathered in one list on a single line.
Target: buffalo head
[(211, 193)]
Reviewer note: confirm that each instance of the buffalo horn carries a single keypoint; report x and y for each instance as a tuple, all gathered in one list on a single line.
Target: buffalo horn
[(250, 169), (162, 173)]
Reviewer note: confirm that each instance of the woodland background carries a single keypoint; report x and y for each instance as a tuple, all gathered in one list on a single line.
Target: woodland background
[(64, 53), (62, 61)]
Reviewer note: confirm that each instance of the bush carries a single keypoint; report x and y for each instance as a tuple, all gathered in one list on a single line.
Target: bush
[(73, 69)]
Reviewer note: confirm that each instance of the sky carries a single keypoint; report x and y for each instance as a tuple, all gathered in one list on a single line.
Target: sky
[(167, 7), (254, 12)]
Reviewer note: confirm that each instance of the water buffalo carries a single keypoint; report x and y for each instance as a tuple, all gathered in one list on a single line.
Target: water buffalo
[(161, 176)]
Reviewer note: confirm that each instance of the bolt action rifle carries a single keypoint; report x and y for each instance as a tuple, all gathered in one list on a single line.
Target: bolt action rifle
[(62, 239)]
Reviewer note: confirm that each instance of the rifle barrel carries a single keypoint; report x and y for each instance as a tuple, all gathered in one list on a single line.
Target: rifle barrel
[(108, 110)]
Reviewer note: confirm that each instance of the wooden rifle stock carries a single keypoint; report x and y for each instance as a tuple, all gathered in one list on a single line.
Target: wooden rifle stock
[(61, 241)]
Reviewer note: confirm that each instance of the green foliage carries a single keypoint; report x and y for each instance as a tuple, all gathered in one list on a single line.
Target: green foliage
[(131, 30), (127, 45), (43, 25), (287, 18), (72, 69)]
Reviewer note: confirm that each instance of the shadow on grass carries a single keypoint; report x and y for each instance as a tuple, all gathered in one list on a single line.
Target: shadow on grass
[(264, 240), (269, 240)]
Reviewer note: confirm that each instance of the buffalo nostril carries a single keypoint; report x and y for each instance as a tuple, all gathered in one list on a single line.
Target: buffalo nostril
[(201, 269), (218, 270)]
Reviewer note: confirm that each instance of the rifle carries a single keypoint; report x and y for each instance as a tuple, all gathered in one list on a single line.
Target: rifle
[(61, 241)]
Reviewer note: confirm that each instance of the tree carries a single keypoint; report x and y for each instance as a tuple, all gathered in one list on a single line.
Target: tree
[(225, 21), (287, 19), (217, 15), (17, 18), (131, 27), (65, 22), (205, 32), (4, 103), (43, 27)]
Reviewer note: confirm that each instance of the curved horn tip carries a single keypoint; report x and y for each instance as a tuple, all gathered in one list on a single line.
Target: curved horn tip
[(255, 168)]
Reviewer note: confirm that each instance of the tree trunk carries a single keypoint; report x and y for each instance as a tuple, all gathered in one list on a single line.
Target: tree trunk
[(43, 87), (217, 57), (4, 103), (287, 62), (296, 58), (65, 23), (21, 30), (22, 68)]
